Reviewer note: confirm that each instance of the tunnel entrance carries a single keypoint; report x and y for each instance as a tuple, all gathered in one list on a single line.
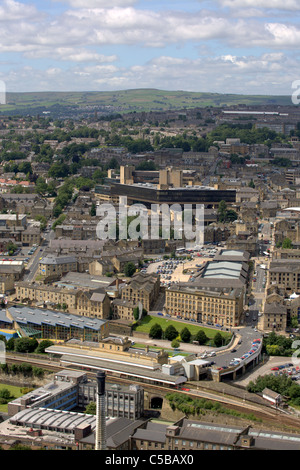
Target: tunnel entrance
[(156, 403)]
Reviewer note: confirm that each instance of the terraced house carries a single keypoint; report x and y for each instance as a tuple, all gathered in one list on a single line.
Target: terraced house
[(89, 303), (48, 295)]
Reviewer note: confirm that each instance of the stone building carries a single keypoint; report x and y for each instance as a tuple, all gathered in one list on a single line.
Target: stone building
[(223, 306), (142, 288)]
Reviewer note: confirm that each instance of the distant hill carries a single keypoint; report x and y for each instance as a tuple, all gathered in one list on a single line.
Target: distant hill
[(127, 101)]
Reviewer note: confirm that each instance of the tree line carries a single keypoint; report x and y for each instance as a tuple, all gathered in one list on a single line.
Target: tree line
[(185, 335)]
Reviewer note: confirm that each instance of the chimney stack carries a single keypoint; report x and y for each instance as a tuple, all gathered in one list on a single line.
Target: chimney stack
[(100, 443)]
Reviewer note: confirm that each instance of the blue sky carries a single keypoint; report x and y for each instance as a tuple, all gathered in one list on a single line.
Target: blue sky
[(222, 46)]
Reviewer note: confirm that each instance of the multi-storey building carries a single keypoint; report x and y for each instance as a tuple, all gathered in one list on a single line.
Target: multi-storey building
[(123, 309), (207, 304), (55, 265), (142, 288), (190, 435), (285, 274), (89, 302), (49, 295), (93, 304)]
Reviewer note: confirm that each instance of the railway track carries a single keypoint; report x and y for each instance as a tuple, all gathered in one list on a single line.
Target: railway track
[(261, 412)]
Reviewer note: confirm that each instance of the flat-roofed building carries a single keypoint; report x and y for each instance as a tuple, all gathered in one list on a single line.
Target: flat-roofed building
[(72, 389), (13, 220), (147, 194), (15, 269)]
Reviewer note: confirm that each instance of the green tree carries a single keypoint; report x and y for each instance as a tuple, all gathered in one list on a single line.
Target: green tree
[(185, 335), (58, 170), (171, 333), (129, 269), (201, 337), (25, 344), (93, 210), (41, 187), (287, 244), (5, 394), (222, 209), (218, 340), (44, 344), (273, 350), (136, 313), (156, 331), (91, 408), (175, 343)]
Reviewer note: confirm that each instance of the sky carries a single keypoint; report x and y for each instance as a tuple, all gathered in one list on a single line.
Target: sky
[(221, 46)]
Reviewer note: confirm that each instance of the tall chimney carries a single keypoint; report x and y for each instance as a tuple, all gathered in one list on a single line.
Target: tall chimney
[(100, 443)]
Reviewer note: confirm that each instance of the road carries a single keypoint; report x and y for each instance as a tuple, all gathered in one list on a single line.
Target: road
[(33, 264)]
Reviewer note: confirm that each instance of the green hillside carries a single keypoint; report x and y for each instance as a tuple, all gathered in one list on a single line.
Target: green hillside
[(131, 100)]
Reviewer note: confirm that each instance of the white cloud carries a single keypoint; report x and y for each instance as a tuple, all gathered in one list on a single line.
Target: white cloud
[(270, 4), (11, 10), (265, 74), (76, 47), (69, 54), (98, 27), (98, 3), (284, 35)]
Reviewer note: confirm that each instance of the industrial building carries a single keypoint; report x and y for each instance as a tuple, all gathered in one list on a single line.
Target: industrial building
[(43, 418), (193, 435), (48, 429), (72, 390)]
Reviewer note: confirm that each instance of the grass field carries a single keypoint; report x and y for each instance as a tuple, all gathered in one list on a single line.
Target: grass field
[(14, 391), (148, 321)]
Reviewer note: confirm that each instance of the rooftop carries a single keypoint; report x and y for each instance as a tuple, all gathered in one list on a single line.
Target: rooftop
[(53, 318)]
